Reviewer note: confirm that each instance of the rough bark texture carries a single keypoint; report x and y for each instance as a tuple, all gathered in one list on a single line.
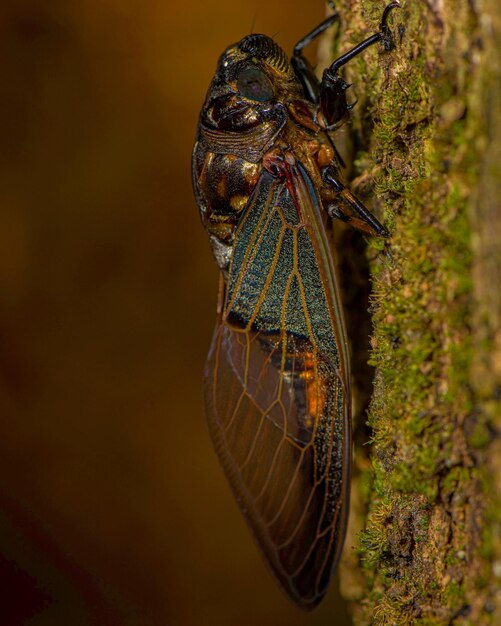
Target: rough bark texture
[(427, 129)]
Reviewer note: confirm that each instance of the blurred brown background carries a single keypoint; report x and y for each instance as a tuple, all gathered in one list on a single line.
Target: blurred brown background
[(113, 508)]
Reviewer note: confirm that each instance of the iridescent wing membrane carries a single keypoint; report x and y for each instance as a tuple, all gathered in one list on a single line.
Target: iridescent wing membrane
[(276, 385)]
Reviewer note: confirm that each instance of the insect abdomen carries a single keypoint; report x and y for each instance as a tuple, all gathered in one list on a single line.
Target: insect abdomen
[(223, 184)]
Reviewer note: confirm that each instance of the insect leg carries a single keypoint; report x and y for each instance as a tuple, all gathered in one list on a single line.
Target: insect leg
[(366, 221), (333, 211), (307, 39), (332, 96), (302, 66)]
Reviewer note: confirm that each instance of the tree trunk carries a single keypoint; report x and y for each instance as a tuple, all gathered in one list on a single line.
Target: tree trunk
[(426, 136)]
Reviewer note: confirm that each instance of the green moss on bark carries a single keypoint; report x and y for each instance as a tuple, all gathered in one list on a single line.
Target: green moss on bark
[(427, 544)]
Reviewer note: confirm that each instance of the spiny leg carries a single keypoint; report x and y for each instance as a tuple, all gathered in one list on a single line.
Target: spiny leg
[(302, 66), (332, 97), (384, 35), (335, 212), (366, 221)]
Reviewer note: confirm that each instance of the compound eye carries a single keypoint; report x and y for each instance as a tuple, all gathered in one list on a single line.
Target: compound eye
[(254, 85)]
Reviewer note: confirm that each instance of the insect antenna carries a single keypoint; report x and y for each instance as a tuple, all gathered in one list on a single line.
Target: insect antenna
[(253, 24)]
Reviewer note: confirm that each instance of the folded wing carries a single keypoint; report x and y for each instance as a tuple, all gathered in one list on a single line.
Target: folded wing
[(276, 386)]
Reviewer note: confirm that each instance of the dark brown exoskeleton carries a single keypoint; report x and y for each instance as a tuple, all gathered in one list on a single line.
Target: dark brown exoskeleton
[(277, 391)]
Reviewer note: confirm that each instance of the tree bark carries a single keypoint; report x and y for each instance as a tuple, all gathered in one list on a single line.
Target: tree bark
[(426, 136)]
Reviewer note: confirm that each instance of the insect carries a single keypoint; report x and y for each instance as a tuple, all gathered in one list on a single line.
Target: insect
[(277, 379)]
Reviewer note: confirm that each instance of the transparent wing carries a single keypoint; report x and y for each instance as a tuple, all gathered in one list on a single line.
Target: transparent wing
[(276, 389)]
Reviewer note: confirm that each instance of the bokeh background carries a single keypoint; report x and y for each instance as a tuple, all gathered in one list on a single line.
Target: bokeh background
[(113, 509)]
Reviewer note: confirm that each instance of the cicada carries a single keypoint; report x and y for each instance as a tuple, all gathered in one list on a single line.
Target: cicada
[(277, 379)]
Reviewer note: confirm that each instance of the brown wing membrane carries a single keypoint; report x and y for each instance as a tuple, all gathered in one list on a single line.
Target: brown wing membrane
[(276, 392)]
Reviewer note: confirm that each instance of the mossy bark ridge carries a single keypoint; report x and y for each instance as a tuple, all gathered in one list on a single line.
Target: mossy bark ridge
[(427, 129)]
